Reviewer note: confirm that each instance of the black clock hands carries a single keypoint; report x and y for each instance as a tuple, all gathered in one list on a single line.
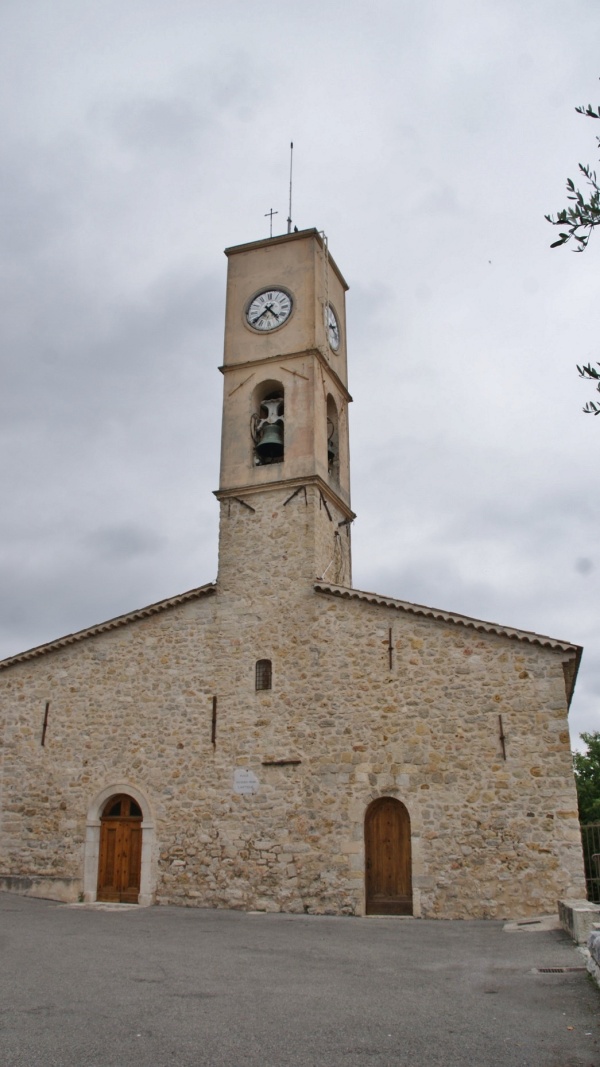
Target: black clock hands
[(268, 308)]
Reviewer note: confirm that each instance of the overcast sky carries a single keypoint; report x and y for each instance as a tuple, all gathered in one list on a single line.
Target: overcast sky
[(142, 137)]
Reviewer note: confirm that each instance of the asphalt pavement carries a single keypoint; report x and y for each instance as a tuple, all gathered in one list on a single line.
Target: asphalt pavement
[(109, 986)]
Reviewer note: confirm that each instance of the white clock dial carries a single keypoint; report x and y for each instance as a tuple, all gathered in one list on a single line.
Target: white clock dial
[(269, 309), (333, 327)]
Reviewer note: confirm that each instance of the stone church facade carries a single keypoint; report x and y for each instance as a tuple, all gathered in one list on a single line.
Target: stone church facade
[(278, 740)]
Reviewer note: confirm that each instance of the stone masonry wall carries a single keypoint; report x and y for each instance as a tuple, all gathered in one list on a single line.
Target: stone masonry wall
[(489, 837), (278, 538), (130, 705)]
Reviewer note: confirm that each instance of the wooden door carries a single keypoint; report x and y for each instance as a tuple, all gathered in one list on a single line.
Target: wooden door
[(120, 860), (388, 858)]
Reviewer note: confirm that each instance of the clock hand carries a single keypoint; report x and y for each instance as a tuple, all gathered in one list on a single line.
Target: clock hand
[(268, 307)]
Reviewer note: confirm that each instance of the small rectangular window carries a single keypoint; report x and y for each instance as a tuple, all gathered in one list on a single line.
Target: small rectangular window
[(263, 674)]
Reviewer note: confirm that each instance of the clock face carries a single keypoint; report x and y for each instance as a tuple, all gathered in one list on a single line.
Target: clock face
[(333, 327), (268, 310)]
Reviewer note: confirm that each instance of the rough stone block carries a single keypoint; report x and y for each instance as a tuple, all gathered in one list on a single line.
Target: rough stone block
[(577, 917)]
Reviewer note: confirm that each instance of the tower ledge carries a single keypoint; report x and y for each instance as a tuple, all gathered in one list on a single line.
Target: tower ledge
[(288, 483), (283, 238)]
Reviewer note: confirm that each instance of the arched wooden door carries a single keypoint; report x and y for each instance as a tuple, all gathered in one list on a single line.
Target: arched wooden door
[(120, 860), (388, 858)]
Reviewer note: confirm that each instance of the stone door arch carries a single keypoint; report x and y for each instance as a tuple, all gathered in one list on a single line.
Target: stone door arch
[(120, 862), (388, 863), (146, 842)]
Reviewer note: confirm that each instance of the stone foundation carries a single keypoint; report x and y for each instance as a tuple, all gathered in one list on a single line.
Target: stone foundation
[(67, 890)]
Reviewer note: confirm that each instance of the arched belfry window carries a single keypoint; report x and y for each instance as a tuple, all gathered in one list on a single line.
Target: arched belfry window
[(267, 423), (263, 674), (333, 440)]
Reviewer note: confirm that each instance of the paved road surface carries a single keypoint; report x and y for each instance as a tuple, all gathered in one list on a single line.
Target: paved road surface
[(176, 987)]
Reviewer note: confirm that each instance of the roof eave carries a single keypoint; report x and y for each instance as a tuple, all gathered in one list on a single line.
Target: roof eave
[(110, 624), (481, 625)]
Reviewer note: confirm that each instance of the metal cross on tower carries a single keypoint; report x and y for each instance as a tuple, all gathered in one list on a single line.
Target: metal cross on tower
[(270, 214)]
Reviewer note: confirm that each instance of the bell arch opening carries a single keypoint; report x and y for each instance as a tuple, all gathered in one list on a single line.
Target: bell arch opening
[(267, 423), (333, 439)]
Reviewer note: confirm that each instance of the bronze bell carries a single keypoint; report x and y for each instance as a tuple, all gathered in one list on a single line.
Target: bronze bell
[(270, 445)]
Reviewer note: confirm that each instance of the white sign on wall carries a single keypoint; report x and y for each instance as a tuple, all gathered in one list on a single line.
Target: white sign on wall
[(245, 782)]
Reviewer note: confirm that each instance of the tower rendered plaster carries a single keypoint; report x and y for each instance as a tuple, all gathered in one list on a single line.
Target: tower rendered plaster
[(285, 467)]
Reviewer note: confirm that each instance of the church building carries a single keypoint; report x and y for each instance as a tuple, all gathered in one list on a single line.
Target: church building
[(276, 739)]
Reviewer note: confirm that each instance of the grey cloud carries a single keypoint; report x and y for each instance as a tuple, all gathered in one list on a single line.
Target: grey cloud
[(69, 582), (32, 209), (123, 543), (157, 125), (440, 199), (127, 344), (99, 431), (183, 121)]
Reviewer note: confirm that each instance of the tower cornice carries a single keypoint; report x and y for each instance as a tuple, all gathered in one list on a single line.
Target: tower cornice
[(300, 235), (226, 368), (288, 483)]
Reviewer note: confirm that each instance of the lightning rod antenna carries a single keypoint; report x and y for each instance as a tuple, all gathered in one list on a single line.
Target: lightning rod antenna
[(289, 221)]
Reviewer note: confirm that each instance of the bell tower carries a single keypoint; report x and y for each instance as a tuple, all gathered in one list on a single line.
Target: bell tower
[(285, 466)]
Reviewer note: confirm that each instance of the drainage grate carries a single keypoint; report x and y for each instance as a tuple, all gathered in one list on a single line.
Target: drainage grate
[(558, 970)]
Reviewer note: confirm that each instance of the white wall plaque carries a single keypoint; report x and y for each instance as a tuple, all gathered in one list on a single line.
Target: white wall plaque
[(245, 782)]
